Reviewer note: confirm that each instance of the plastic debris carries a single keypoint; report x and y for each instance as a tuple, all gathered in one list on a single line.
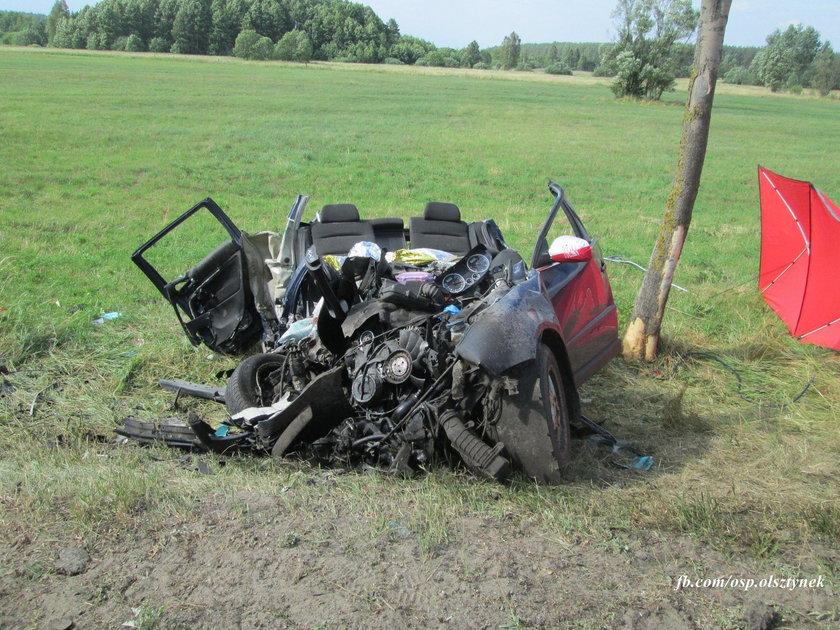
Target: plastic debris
[(643, 463), (414, 276), (365, 249), (334, 261), (106, 317), (223, 430), (422, 255), (629, 457), (300, 329)]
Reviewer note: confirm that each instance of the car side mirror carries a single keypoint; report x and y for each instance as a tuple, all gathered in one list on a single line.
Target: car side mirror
[(570, 249)]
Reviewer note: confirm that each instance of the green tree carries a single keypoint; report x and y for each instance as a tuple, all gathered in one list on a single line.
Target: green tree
[(641, 341), (245, 43), (106, 24), (739, 75), (294, 46), (558, 67), (33, 34), (191, 28), (134, 43), (119, 43), (269, 18), (826, 70), (511, 47), (571, 58), (226, 17), (137, 17), (66, 35), (159, 45), (787, 58), (263, 49), (643, 59), (59, 12), (771, 68), (470, 55), (392, 32), (164, 20), (95, 42), (527, 63), (409, 49), (441, 57)]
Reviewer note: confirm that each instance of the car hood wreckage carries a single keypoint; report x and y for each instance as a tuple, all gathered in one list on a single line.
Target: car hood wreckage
[(392, 347)]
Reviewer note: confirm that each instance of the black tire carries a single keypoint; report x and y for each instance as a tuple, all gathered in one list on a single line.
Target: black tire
[(534, 423), (247, 387)]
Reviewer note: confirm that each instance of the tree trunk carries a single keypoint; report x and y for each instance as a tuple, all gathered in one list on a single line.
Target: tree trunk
[(642, 336)]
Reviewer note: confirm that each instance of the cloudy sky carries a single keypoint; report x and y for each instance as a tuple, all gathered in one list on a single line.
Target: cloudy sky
[(456, 22)]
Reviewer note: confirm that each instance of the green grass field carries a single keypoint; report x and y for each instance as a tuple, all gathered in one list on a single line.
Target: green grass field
[(100, 150)]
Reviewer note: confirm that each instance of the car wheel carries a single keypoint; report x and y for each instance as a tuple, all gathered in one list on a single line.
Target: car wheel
[(248, 385), (534, 423)]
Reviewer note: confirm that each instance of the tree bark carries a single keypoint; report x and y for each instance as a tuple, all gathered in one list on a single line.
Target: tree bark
[(642, 337)]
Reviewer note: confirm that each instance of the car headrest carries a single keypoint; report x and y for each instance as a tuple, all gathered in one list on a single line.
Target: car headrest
[(339, 213), (440, 211)]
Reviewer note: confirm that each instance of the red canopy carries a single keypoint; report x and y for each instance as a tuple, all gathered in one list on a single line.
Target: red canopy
[(800, 250)]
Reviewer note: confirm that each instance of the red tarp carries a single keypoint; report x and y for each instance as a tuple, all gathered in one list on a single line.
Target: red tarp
[(800, 258)]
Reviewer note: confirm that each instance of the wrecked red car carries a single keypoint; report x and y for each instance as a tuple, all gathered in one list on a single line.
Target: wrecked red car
[(397, 347)]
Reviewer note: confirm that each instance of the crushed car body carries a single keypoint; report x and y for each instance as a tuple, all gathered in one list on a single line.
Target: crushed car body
[(394, 347)]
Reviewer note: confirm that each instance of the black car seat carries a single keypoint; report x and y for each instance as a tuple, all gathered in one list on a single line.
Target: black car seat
[(338, 229), (389, 233), (440, 228), (487, 233)]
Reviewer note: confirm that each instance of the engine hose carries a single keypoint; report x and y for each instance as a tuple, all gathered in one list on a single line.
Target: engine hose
[(474, 451), (403, 413), (368, 438), (404, 406)]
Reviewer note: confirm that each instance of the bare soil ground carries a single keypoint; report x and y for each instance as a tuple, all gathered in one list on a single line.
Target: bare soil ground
[(248, 561)]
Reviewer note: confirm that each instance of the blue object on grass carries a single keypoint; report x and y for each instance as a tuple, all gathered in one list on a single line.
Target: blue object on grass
[(398, 529), (106, 316), (633, 458), (643, 463)]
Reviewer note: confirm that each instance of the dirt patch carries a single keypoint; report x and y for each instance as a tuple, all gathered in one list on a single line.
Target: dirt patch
[(247, 562), (72, 561)]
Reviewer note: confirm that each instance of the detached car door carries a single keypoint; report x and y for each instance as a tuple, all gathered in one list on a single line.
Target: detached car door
[(212, 300), (579, 291)]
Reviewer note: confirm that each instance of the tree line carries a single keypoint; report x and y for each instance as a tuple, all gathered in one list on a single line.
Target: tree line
[(793, 59), (650, 51), (335, 29), (651, 48), (23, 29)]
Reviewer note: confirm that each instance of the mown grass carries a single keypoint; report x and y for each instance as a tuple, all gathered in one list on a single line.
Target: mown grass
[(101, 150)]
